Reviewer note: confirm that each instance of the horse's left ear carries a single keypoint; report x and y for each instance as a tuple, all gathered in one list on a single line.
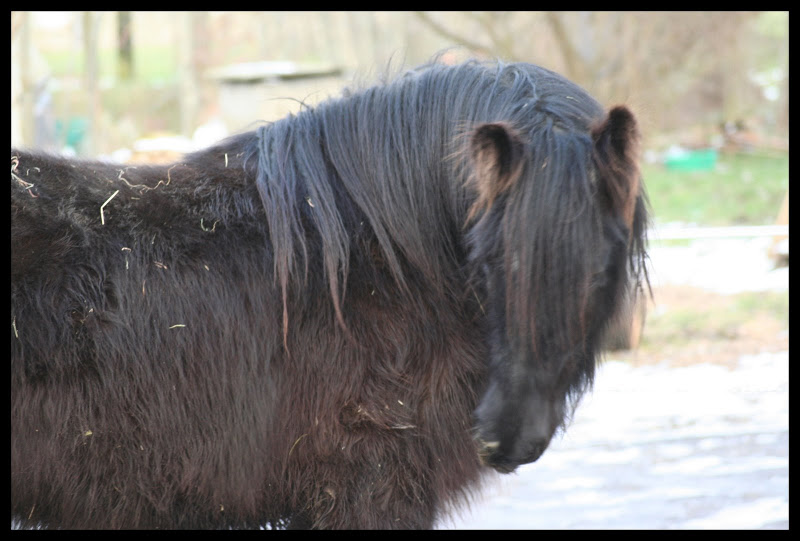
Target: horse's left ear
[(497, 154), (616, 146)]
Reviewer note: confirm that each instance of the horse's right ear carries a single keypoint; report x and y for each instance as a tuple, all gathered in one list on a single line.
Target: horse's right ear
[(496, 151), (616, 145)]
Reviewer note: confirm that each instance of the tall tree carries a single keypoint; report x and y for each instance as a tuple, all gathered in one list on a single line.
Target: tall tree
[(124, 46), (91, 75)]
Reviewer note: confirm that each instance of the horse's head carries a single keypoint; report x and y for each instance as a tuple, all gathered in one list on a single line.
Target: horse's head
[(557, 245)]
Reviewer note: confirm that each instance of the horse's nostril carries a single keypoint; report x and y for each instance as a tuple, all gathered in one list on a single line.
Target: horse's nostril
[(535, 453)]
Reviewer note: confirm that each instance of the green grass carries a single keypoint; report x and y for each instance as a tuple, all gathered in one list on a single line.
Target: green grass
[(152, 64), (721, 319), (744, 189), (775, 305)]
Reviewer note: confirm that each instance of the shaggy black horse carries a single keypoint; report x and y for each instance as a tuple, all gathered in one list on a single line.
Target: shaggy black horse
[(337, 320)]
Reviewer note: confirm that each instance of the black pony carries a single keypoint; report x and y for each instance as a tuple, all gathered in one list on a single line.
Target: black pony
[(334, 321)]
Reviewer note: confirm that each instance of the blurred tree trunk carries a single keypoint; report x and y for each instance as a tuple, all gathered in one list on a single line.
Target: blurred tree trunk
[(568, 48), (192, 58), (125, 46), (365, 37), (783, 110), (330, 53), (91, 75), (731, 51), (22, 119), (454, 36)]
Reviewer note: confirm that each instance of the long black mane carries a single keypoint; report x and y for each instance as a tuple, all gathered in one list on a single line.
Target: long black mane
[(358, 167)]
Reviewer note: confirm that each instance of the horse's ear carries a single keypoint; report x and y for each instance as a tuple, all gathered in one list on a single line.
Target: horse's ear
[(616, 146), (497, 154)]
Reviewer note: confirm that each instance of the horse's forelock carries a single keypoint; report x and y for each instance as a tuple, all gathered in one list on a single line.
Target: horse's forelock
[(551, 229)]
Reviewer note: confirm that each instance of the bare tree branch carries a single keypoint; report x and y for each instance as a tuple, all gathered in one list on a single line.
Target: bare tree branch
[(502, 40), (455, 38), (568, 50)]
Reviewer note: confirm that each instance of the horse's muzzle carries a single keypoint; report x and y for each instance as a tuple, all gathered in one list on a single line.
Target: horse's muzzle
[(492, 455)]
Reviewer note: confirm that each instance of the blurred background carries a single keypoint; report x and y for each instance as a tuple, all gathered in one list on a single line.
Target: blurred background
[(710, 90)]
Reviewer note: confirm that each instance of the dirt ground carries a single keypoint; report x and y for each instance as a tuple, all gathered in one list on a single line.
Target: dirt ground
[(724, 345)]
